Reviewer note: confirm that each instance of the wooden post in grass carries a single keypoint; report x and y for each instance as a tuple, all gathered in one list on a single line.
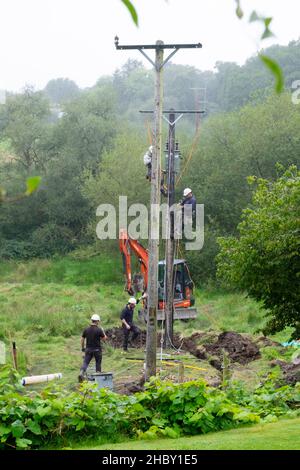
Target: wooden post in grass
[(180, 372), (14, 355), (225, 369)]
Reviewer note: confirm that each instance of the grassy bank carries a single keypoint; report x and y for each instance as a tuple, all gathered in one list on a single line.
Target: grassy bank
[(79, 271), (281, 435), (57, 296)]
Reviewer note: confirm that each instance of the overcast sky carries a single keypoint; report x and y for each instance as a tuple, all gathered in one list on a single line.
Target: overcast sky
[(45, 39)]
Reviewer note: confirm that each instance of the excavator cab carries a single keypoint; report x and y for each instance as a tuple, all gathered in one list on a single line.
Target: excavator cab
[(183, 284), (184, 299)]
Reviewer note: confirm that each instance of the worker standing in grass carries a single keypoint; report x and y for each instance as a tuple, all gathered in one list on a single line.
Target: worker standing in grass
[(127, 322), (92, 335)]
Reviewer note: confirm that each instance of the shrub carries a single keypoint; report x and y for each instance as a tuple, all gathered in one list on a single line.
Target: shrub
[(163, 409)]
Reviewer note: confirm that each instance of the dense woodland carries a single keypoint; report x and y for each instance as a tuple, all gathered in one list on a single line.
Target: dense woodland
[(88, 146)]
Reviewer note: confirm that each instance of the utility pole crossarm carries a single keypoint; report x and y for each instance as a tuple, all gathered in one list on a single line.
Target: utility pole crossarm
[(176, 112), (157, 46), (173, 112)]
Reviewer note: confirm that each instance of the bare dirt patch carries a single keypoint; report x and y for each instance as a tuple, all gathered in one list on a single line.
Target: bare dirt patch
[(290, 371), (201, 345)]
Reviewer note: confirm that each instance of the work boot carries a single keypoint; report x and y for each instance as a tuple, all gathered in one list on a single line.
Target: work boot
[(81, 376)]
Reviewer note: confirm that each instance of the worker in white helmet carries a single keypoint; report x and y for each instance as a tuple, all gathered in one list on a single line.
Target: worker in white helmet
[(188, 199), (92, 336), (148, 161), (127, 322), (148, 164)]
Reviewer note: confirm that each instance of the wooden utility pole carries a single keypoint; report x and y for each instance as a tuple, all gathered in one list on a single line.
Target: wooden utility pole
[(170, 242), (151, 341), (170, 239), (159, 63), (14, 355)]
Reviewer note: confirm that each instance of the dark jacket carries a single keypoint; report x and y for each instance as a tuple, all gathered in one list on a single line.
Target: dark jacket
[(190, 200), (93, 335), (127, 315)]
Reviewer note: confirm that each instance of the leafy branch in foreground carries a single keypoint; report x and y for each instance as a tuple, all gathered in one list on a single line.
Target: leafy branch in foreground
[(270, 63), (131, 10), (32, 184)]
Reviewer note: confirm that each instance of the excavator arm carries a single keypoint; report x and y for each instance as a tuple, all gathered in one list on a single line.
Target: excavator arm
[(128, 246), (182, 303)]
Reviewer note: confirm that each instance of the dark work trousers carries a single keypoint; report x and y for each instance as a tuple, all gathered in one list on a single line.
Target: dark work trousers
[(89, 354), (135, 333)]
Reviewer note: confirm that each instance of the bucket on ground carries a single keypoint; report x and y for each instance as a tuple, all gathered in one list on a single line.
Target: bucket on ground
[(102, 379)]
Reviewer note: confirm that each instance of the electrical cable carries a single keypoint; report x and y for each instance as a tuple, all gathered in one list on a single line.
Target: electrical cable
[(195, 141)]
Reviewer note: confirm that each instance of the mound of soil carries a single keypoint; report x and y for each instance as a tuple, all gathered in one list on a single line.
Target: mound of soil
[(191, 344), (263, 341), (239, 348), (290, 371), (128, 388), (115, 338)]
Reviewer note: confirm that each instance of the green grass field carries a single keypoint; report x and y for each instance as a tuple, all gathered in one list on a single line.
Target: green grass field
[(281, 435), (58, 296), (45, 304)]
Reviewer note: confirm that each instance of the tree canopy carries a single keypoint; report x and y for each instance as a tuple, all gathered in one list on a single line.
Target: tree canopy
[(264, 259)]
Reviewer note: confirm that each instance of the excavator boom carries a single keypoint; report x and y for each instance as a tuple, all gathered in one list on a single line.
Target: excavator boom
[(183, 285), (128, 245)]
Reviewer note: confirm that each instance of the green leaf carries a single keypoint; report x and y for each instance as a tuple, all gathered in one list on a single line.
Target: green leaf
[(169, 432), (43, 411), (276, 70), (4, 430), (80, 425), (32, 184), (267, 34), (34, 427), (239, 12), (17, 428), (23, 443), (268, 21), (254, 17), (132, 10), (160, 422)]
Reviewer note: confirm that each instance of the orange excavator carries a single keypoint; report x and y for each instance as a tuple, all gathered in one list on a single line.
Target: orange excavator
[(183, 285)]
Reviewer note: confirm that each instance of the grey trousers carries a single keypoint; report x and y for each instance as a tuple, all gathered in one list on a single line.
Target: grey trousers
[(89, 354)]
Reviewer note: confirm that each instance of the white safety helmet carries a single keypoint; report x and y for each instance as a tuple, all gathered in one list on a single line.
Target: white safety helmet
[(95, 317), (187, 191), (132, 300), (147, 159)]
